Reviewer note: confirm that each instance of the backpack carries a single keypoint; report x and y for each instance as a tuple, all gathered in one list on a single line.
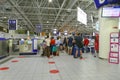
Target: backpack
[(79, 42), (70, 39)]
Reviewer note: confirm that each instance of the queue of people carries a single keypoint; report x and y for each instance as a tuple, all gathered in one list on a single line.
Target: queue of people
[(67, 44)]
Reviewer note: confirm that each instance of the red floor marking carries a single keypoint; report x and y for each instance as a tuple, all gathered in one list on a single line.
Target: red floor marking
[(14, 61), (4, 68), (51, 62), (82, 59), (54, 71), (21, 56)]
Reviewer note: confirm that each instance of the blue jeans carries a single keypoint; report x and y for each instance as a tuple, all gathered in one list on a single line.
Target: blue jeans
[(78, 51), (77, 48)]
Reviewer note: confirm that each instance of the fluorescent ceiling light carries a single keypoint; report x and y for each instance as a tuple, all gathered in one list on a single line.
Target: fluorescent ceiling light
[(47, 21), (5, 17), (54, 32), (50, 0), (55, 29)]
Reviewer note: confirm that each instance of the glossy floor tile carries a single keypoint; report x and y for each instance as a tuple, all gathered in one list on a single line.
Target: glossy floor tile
[(38, 68)]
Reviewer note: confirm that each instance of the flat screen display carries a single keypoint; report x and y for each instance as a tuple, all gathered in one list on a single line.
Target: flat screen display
[(12, 24), (113, 12)]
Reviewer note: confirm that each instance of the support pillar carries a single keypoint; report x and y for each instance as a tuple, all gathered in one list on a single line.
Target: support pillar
[(11, 32), (106, 27)]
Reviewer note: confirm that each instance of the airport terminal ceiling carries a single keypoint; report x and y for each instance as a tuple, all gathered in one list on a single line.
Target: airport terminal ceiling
[(60, 14)]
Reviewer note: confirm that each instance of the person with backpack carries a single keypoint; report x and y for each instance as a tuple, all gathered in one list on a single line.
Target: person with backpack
[(78, 45), (70, 44), (65, 44)]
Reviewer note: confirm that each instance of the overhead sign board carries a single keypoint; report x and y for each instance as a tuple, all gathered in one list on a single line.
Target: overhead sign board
[(12, 24), (81, 16)]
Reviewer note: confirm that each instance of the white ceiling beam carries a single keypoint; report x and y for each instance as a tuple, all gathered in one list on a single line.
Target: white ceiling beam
[(51, 8), (58, 3), (21, 13), (37, 9), (42, 3), (3, 25), (59, 11), (45, 13), (19, 1), (71, 4), (74, 16)]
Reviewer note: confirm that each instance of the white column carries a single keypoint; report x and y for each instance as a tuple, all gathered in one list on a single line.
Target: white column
[(11, 32), (106, 27), (119, 24)]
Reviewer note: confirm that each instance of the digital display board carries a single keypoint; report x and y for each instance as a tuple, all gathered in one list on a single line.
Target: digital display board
[(113, 12)]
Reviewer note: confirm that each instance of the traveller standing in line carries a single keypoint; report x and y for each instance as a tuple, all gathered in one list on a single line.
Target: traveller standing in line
[(70, 44), (48, 46), (78, 45), (57, 45), (91, 44), (43, 44), (61, 44), (52, 44), (86, 42), (65, 44)]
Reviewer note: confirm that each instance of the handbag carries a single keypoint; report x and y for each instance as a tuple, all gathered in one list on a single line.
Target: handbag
[(54, 49)]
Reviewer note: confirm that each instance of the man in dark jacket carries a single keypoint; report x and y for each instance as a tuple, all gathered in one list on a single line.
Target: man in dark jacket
[(79, 45)]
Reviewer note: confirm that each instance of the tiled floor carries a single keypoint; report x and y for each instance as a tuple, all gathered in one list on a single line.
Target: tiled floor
[(37, 68)]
